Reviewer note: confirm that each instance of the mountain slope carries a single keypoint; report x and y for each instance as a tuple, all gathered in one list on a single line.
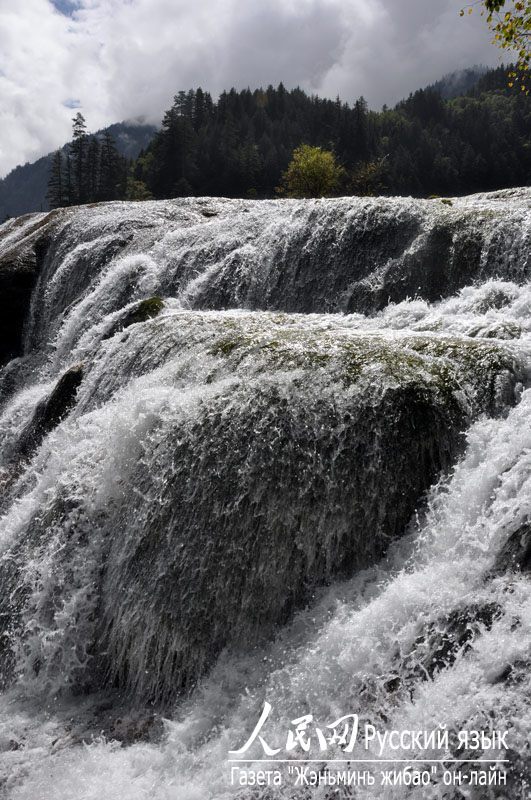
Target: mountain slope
[(459, 82), (24, 189)]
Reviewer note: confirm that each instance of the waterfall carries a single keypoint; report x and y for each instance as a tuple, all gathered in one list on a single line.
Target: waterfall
[(269, 451)]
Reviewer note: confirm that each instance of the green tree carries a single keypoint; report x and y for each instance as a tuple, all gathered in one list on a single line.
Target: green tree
[(368, 178), (78, 153), (68, 189), (56, 182), (92, 176), (510, 20), (312, 172), (137, 190), (242, 144), (113, 170)]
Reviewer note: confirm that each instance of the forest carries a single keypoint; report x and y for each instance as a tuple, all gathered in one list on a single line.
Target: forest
[(241, 145)]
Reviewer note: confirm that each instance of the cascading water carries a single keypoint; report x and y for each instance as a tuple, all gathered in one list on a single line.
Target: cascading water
[(218, 493)]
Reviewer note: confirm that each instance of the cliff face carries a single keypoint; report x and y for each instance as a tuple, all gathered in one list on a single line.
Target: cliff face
[(24, 242)]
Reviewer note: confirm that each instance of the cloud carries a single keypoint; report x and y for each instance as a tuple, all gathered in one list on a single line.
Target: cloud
[(408, 44), (66, 7), (118, 59)]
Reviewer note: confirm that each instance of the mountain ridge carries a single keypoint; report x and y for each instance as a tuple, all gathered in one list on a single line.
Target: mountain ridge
[(23, 190)]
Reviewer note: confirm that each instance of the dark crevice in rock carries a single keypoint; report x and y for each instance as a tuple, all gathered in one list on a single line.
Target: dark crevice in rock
[(19, 271)]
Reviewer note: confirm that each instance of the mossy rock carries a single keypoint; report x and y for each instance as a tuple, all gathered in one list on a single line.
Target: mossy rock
[(141, 312), (486, 372)]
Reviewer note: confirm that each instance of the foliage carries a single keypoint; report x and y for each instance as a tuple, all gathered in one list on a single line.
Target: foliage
[(312, 172), (242, 145), (137, 190), (368, 179), (56, 183), (91, 169), (510, 20), (25, 188)]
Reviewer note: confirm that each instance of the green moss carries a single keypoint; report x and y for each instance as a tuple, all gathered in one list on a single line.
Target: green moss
[(471, 355), (457, 370), (225, 347), (392, 359), (144, 310)]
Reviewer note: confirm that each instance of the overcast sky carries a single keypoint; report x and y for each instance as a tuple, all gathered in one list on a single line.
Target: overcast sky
[(117, 59)]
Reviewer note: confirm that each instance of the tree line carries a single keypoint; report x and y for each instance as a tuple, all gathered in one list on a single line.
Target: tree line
[(243, 144), (90, 169)]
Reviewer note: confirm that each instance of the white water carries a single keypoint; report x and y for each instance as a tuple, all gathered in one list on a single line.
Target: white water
[(150, 387)]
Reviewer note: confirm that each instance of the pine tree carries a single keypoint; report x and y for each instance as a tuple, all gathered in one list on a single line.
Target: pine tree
[(67, 186), (92, 188), (361, 133), (112, 172), (56, 182), (244, 142), (78, 152)]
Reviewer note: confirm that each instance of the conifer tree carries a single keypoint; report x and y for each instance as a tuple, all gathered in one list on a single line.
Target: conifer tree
[(67, 186), (112, 170), (93, 170), (78, 154), (56, 182)]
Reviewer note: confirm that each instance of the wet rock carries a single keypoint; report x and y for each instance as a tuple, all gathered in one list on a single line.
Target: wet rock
[(51, 411), (438, 645), (301, 470), (19, 270), (136, 727), (141, 312), (224, 574), (512, 674), (497, 330), (515, 555), (349, 254), (8, 744)]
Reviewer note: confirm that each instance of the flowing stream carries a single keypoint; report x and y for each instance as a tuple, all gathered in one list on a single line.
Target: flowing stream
[(263, 452)]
